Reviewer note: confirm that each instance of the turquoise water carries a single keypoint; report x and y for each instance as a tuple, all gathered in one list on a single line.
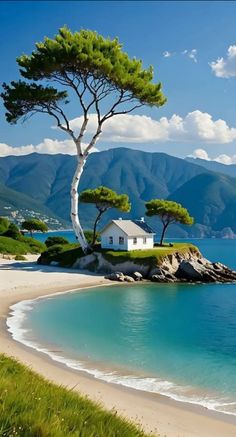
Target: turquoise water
[(179, 340)]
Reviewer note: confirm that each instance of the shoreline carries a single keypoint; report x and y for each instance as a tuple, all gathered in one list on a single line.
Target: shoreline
[(155, 412)]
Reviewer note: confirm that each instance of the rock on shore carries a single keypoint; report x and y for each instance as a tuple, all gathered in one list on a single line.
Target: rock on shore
[(177, 267)]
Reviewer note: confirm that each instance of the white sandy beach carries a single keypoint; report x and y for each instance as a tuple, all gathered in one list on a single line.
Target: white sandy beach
[(156, 413)]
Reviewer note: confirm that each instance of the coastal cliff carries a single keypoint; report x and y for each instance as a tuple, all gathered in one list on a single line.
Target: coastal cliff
[(189, 266), (181, 263)]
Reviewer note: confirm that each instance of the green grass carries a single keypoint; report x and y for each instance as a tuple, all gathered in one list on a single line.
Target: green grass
[(30, 406), (20, 247), (67, 254), (151, 256)]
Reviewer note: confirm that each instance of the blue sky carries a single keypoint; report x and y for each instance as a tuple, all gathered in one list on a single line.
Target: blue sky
[(193, 35)]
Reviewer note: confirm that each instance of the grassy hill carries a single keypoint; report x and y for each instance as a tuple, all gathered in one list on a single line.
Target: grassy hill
[(25, 245)]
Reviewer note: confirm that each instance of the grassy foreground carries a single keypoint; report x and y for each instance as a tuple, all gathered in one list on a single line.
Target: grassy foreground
[(30, 406)]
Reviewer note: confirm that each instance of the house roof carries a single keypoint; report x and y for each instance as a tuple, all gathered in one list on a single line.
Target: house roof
[(132, 228)]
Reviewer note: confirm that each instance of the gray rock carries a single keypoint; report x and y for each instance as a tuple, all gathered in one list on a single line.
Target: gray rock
[(119, 273), (154, 271), (192, 270), (159, 278), (114, 276), (205, 271), (128, 278), (137, 276)]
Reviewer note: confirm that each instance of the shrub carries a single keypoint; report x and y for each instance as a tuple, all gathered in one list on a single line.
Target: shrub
[(51, 254), (20, 258), (66, 254), (51, 241), (4, 225), (13, 232)]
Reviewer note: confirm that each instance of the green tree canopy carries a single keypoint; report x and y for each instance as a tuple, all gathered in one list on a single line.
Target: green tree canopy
[(93, 69), (34, 225), (104, 198), (169, 212)]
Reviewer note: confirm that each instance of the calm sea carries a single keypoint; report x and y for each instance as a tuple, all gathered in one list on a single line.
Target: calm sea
[(178, 340)]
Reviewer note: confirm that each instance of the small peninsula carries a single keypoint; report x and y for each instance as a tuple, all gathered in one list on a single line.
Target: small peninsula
[(180, 262)]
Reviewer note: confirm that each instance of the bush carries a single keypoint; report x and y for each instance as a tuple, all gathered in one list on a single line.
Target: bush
[(51, 241), (4, 225), (13, 232), (51, 254), (20, 258), (66, 254)]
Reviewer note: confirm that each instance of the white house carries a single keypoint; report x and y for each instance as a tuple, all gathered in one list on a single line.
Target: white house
[(127, 235)]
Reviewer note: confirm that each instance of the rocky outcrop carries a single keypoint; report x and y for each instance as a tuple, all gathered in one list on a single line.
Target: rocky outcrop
[(178, 267), (204, 271)]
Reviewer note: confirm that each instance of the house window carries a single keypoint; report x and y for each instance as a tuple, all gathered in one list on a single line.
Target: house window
[(110, 240), (121, 240), (135, 240), (144, 240)]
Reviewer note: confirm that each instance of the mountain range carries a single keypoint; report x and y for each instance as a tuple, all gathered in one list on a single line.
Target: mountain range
[(41, 182)]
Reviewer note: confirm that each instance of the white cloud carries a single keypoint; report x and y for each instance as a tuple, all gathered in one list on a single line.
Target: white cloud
[(225, 67), (196, 127), (167, 54), (191, 54), (201, 154), (223, 159), (226, 159), (48, 145)]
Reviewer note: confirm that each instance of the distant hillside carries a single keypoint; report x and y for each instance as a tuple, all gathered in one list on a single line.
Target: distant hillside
[(210, 199), (143, 176), (18, 206), (229, 170)]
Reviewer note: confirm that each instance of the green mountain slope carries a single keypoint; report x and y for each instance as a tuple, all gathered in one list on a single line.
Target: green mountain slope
[(218, 167), (18, 206), (46, 179), (211, 199)]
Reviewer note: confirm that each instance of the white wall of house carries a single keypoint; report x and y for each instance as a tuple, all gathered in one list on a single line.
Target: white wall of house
[(114, 238), (119, 238), (145, 242)]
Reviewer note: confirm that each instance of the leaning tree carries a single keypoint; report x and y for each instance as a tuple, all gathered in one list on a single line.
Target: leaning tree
[(103, 78), (169, 212), (104, 199)]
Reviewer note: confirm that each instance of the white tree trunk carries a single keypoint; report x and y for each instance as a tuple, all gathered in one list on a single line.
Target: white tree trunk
[(75, 183), (74, 204)]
